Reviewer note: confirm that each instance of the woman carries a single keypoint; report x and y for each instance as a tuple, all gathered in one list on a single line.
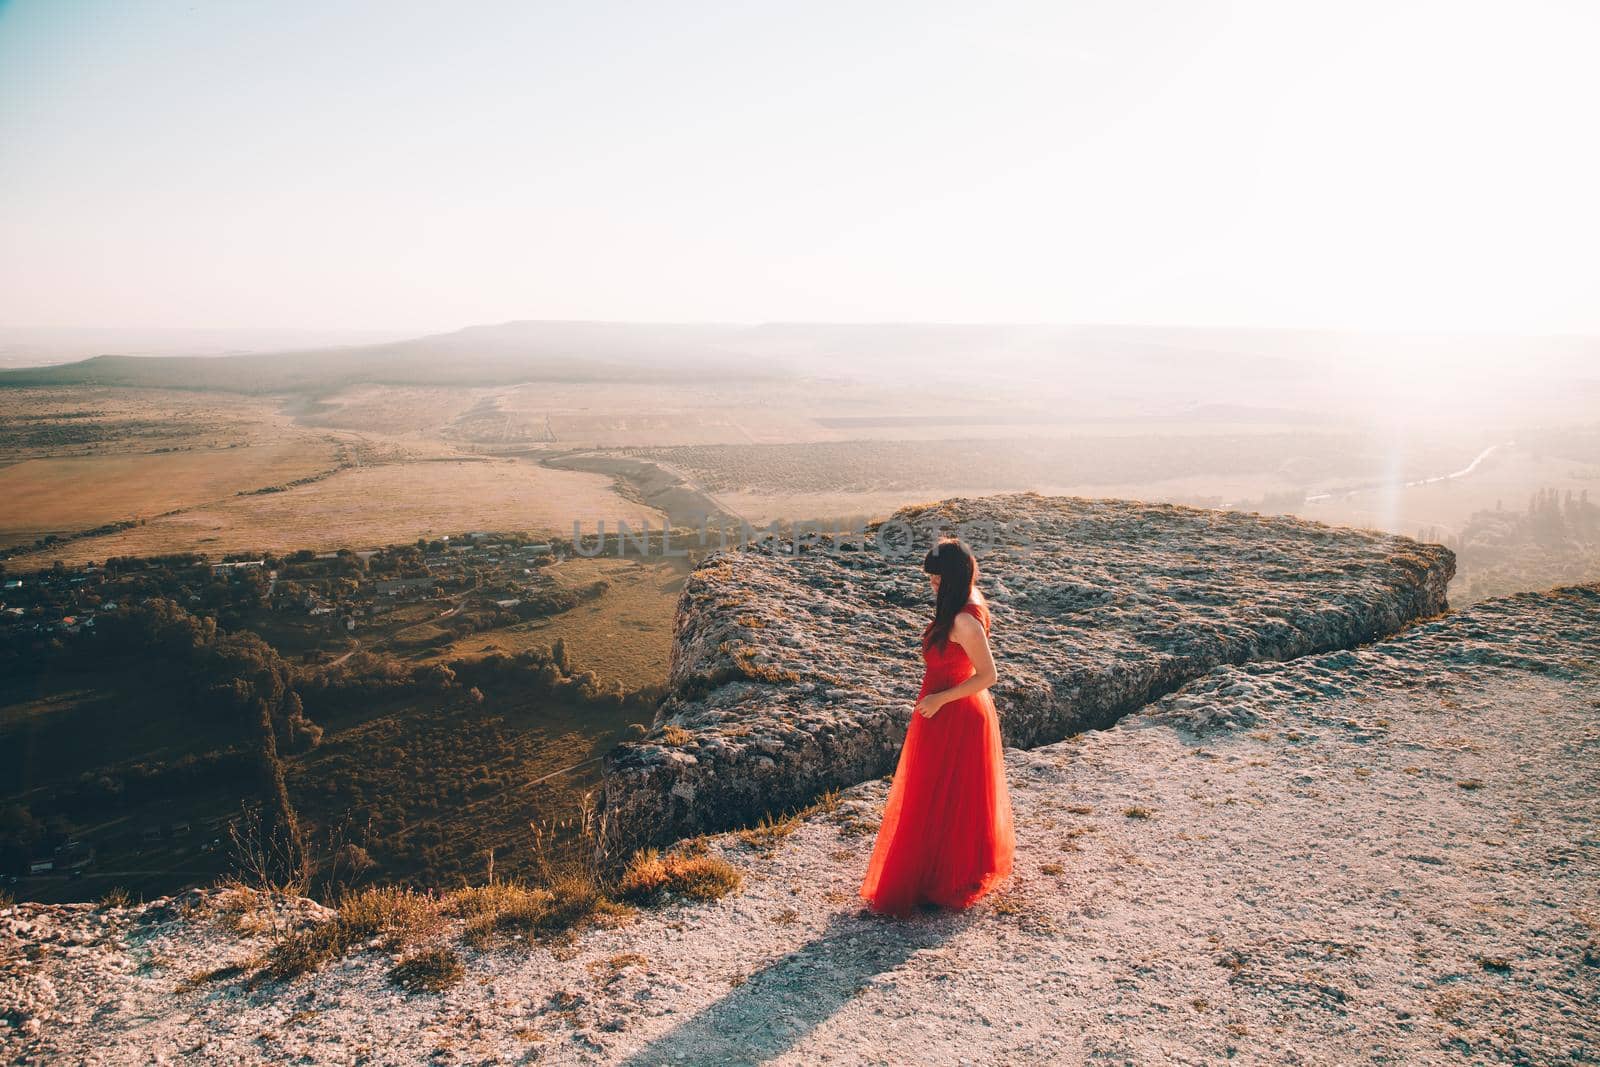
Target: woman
[(946, 836)]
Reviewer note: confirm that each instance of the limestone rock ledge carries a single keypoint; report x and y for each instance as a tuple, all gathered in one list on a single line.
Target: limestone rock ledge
[(794, 668)]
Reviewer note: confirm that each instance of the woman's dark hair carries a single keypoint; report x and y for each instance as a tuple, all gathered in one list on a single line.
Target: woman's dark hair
[(957, 569)]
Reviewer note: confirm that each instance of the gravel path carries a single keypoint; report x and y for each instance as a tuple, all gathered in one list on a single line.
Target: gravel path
[(1389, 855)]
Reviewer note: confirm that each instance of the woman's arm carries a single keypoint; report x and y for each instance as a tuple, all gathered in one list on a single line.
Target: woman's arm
[(970, 635)]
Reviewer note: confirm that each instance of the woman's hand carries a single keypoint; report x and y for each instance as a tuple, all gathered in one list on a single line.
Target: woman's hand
[(970, 635)]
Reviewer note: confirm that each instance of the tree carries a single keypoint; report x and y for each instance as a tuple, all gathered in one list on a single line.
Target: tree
[(438, 677), (20, 837), (300, 733), (283, 850)]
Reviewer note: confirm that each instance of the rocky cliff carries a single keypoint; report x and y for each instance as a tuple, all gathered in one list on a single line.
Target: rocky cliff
[(1380, 855), (794, 668)]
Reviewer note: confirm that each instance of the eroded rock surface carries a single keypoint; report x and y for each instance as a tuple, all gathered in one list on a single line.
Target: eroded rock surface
[(795, 672)]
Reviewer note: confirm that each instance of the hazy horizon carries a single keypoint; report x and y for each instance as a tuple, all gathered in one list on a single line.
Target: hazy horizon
[(1416, 168)]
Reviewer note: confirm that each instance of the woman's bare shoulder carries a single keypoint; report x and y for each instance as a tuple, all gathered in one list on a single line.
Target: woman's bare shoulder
[(967, 625)]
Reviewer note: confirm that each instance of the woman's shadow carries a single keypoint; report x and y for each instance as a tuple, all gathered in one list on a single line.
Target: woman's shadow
[(776, 1007)]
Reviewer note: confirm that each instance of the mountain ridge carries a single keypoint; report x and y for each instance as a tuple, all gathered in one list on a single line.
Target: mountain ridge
[(522, 350)]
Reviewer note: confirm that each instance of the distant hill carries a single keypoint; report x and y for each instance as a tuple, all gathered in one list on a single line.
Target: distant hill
[(1165, 368), (44, 346), (606, 351), (479, 355)]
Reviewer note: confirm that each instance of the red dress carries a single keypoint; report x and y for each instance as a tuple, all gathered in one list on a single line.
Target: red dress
[(946, 835)]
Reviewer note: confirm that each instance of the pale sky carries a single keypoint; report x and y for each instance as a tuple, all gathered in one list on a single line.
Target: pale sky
[(333, 165)]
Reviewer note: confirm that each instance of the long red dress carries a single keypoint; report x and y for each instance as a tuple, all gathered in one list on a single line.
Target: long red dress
[(946, 836)]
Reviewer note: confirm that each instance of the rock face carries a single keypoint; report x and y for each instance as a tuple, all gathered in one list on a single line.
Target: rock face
[(794, 668), (1555, 634)]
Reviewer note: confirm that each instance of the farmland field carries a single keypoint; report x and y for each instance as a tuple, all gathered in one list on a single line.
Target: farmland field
[(394, 411), (1020, 463), (372, 505), (76, 459), (85, 420), (1260, 470), (371, 464), (626, 634), (63, 494), (617, 415)]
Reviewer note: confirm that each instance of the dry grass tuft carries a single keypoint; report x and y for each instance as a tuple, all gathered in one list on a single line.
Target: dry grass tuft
[(651, 876), (216, 974), (432, 970), (622, 961), (1008, 902), (699, 845), (242, 910), (1069, 840), (400, 917), (826, 804), (771, 829), (675, 736), (307, 950), (509, 910), (749, 662)]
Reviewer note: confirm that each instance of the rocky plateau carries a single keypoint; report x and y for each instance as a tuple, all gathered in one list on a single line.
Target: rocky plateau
[(1275, 803)]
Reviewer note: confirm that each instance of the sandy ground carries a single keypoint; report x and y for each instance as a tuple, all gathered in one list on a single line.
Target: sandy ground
[(1389, 855)]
